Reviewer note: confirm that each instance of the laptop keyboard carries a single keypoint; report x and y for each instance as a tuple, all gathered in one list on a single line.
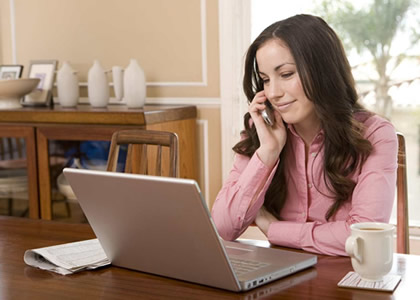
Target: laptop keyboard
[(242, 266)]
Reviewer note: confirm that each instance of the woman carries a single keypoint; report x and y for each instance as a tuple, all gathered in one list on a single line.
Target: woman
[(324, 164)]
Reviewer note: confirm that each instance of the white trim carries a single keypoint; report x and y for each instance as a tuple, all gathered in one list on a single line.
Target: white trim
[(13, 31), (200, 102), (205, 134), (234, 33), (160, 83), (203, 25), (203, 29), (184, 101), (185, 83)]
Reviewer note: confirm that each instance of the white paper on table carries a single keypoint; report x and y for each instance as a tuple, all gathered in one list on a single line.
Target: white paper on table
[(68, 258)]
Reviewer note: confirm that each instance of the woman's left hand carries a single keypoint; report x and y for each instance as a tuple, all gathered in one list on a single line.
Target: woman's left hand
[(264, 219)]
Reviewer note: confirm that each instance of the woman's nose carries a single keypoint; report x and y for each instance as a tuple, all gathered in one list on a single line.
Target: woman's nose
[(275, 90)]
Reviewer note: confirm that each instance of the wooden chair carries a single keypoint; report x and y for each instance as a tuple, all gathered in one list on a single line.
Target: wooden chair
[(403, 238), (144, 147)]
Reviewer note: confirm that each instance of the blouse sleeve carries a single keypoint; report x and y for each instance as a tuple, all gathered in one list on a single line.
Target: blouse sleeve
[(372, 201), (232, 212)]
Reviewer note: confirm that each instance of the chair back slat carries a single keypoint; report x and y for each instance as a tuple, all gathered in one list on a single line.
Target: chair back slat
[(127, 167), (403, 238), (146, 152), (143, 159), (159, 161)]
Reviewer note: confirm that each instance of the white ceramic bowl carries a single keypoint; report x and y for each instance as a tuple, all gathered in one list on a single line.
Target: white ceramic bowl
[(65, 188), (12, 90)]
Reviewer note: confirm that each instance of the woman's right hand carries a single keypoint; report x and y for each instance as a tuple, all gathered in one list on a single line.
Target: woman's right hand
[(272, 138)]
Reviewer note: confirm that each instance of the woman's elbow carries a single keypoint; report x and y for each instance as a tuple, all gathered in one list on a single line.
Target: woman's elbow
[(225, 230)]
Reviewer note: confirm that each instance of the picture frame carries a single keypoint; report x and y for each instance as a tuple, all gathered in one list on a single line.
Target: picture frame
[(10, 71), (42, 94)]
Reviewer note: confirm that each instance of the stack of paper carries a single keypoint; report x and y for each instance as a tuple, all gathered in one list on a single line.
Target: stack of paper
[(68, 258)]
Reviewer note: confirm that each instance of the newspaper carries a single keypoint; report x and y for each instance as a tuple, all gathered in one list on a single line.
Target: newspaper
[(68, 258)]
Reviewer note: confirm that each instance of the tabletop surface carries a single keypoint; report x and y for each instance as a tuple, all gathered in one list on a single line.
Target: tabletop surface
[(20, 281), (86, 114)]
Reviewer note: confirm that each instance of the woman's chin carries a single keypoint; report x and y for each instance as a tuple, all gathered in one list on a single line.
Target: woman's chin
[(288, 119)]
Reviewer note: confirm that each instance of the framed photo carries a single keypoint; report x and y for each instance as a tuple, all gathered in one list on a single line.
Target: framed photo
[(10, 71), (45, 71)]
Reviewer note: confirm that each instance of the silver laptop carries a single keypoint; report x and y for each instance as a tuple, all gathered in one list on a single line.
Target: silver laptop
[(162, 226)]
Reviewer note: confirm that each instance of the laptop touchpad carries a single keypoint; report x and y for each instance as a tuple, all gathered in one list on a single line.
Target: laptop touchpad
[(237, 251)]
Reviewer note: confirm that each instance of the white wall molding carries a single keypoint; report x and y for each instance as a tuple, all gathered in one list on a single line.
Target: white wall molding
[(203, 41), (13, 30), (199, 102), (234, 35), (203, 18), (202, 125)]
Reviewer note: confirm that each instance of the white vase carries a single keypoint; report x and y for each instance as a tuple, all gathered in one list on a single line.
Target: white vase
[(134, 85), (98, 88), (67, 86), (118, 81)]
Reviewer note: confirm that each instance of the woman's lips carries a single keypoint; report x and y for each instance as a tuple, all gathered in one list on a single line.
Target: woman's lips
[(284, 106)]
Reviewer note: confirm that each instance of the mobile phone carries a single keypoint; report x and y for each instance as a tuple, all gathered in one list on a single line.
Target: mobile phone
[(268, 114)]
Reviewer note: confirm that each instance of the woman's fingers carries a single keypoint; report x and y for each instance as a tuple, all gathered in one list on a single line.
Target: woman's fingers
[(258, 101), (256, 106)]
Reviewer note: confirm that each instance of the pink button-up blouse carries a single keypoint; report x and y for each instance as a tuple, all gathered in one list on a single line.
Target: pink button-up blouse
[(303, 224)]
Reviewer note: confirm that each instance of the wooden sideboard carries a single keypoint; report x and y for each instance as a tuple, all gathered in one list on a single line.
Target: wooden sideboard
[(40, 125)]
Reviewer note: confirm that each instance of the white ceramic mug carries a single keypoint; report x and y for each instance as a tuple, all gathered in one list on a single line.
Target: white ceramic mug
[(371, 249)]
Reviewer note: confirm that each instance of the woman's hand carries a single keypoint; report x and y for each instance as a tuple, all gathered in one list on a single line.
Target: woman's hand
[(264, 219), (272, 138)]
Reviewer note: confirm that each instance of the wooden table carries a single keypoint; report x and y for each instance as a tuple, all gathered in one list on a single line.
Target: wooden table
[(43, 124), (19, 281)]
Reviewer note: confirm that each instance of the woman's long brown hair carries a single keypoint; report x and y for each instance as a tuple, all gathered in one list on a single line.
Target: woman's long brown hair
[(327, 81)]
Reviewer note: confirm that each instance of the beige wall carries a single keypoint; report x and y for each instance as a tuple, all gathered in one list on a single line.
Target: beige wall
[(5, 41), (175, 41)]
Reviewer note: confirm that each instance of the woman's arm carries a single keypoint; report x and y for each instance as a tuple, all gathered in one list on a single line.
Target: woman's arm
[(241, 196), (372, 201)]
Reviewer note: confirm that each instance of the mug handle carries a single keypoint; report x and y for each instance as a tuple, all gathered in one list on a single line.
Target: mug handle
[(352, 248)]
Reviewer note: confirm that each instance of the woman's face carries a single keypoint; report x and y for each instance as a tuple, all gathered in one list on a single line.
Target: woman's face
[(282, 85)]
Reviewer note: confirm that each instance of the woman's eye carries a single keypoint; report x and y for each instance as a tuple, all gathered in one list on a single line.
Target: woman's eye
[(265, 81), (287, 75)]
